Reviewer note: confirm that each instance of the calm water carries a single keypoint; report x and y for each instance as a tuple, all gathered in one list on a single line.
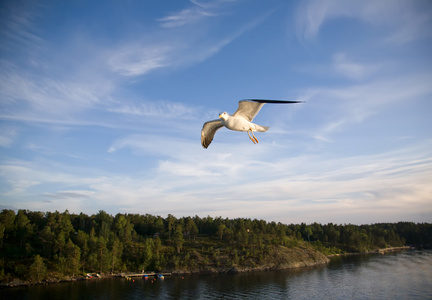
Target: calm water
[(401, 275)]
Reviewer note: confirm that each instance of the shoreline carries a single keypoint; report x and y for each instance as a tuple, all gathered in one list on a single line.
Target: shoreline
[(200, 271), (130, 275)]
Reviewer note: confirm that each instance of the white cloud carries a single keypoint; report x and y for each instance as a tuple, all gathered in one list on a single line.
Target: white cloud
[(413, 23), (199, 11), (43, 96), (7, 136), (185, 16), (70, 194), (141, 59), (350, 68), (181, 46), (161, 109), (234, 183), (401, 17), (182, 50), (13, 174), (341, 107), (18, 25)]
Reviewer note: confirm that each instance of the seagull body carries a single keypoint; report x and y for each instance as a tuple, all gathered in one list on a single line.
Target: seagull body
[(241, 120), (239, 123)]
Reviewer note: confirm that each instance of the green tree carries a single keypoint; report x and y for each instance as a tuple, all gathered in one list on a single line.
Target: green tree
[(221, 230), (23, 227), (178, 238), (73, 257), (59, 243), (103, 255), (159, 258), (148, 253), (171, 220), (104, 222), (2, 234), (7, 221), (241, 233), (7, 218), (120, 226), (81, 240), (191, 228), (116, 254), (332, 234), (281, 233), (308, 232), (60, 223), (158, 225), (92, 258), (37, 270), (46, 237)]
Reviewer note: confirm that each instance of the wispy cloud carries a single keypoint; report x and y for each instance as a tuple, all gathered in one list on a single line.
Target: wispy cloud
[(70, 194), (160, 109), (47, 96), (401, 18), (341, 107), (232, 183), (18, 25), (151, 144), (197, 12), (343, 65), (170, 49), (178, 45), (140, 59), (185, 16), (412, 24), (7, 136), (13, 174)]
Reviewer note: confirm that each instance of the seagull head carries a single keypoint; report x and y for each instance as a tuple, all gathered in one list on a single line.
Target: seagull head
[(223, 116)]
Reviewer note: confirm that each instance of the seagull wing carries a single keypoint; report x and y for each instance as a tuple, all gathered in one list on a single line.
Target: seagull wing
[(249, 108), (208, 131)]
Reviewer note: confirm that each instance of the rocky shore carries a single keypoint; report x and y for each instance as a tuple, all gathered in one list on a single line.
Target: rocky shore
[(279, 259), (379, 251)]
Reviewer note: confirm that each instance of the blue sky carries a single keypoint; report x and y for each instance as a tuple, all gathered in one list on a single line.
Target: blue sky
[(102, 104)]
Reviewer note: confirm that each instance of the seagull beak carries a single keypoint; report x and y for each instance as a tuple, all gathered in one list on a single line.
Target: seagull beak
[(220, 116)]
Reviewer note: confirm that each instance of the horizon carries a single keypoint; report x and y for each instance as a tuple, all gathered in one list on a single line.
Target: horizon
[(102, 104), (217, 217)]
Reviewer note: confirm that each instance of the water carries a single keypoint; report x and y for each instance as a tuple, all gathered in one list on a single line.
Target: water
[(401, 275)]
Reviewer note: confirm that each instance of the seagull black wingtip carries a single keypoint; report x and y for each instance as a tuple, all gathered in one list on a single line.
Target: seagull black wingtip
[(273, 101)]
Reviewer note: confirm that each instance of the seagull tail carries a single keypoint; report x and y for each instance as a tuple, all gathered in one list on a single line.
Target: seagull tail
[(261, 128)]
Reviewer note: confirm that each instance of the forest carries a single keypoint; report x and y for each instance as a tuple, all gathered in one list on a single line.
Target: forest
[(38, 245)]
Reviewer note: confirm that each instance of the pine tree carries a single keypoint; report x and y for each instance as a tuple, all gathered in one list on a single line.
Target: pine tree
[(178, 238), (37, 270)]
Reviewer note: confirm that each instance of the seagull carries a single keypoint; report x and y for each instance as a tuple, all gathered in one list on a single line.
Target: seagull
[(241, 120)]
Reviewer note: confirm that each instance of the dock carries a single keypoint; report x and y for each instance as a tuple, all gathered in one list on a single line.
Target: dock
[(129, 275)]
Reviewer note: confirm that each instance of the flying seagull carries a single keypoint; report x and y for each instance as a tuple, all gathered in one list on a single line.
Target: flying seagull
[(241, 120)]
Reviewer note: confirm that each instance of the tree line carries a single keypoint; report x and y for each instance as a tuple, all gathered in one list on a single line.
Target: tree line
[(35, 245)]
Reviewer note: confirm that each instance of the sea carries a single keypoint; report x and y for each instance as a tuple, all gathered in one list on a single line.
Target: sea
[(395, 275)]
